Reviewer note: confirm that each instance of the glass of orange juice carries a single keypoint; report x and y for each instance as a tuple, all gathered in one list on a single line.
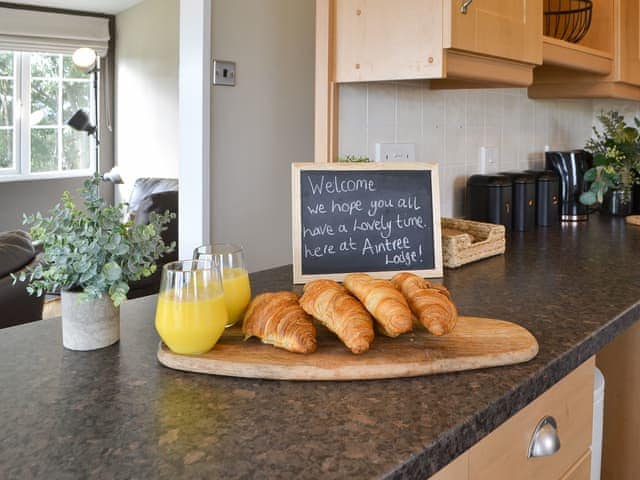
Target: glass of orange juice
[(191, 313), (235, 277)]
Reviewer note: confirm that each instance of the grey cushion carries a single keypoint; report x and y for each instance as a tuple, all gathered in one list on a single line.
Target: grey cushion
[(156, 202), (143, 187), (16, 251)]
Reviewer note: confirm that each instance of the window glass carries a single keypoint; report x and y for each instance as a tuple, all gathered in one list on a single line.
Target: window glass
[(7, 106), (75, 95), (6, 102), (44, 102), (6, 64), (76, 153), (45, 66), (44, 149), (6, 148)]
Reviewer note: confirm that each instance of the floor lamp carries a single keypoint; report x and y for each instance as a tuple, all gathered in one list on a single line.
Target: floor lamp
[(86, 60)]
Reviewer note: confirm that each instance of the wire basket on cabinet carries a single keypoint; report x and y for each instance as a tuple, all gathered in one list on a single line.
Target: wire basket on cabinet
[(567, 20)]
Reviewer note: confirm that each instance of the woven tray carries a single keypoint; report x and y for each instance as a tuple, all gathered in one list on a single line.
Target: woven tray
[(466, 241), (633, 220)]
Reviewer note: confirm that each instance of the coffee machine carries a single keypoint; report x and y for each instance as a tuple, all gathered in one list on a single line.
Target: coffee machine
[(570, 167)]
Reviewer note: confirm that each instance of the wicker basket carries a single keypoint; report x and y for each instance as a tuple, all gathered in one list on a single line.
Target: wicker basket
[(633, 220), (465, 241)]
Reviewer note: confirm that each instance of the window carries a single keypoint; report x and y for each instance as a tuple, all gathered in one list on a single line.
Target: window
[(39, 92)]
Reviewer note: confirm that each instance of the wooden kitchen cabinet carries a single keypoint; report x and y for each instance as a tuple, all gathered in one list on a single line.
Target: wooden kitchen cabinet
[(504, 452), (493, 43), (605, 64), (381, 40)]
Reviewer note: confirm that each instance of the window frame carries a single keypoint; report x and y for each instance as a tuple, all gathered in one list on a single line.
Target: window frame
[(22, 128)]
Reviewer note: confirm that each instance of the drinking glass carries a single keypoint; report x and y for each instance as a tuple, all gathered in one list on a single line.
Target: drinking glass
[(235, 278), (191, 313)]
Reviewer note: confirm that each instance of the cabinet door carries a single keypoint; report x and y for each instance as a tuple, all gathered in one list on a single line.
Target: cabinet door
[(629, 55), (506, 29), (388, 40)]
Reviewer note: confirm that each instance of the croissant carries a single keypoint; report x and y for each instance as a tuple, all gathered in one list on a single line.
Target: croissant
[(277, 319), (433, 306), (345, 316), (383, 301)]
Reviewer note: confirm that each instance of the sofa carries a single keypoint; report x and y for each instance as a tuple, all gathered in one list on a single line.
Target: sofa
[(16, 305), (154, 195)]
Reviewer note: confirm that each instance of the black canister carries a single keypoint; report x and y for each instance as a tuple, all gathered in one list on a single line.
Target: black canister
[(524, 200), (489, 199), (547, 197), (571, 166)]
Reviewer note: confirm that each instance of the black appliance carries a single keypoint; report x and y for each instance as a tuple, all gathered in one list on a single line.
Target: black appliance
[(547, 197), (570, 167), (489, 199), (524, 200)]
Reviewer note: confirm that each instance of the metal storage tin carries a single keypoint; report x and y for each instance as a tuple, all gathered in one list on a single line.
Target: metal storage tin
[(547, 197), (524, 200), (489, 199)]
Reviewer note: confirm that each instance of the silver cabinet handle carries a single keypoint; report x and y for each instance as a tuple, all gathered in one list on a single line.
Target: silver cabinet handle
[(465, 6), (545, 440)]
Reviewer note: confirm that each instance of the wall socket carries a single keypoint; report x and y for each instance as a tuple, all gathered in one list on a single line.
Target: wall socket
[(395, 152), (488, 159)]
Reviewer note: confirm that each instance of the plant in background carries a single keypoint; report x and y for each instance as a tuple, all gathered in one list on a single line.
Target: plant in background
[(92, 250), (354, 159), (616, 157)]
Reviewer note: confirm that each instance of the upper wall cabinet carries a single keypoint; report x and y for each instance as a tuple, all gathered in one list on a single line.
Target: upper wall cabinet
[(492, 41), (604, 64), (453, 43)]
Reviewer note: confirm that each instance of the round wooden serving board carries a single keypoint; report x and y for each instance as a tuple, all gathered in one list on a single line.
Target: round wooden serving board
[(474, 343)]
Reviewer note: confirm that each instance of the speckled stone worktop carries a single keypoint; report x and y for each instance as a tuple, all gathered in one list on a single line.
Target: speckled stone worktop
[(117, 413)]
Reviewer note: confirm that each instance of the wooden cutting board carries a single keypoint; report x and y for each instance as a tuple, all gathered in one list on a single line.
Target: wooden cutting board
[(474, 343)]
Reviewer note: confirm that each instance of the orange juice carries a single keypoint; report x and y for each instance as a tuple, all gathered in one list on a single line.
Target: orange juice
[(237, 292), (189, 325)]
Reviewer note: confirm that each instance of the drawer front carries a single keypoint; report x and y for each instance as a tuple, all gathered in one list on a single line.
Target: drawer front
[(581, 470), (456, 470), (503, 454)]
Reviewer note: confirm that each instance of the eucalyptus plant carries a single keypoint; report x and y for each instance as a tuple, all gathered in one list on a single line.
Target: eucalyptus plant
[(354, 159), (616, 156), (91, 249)]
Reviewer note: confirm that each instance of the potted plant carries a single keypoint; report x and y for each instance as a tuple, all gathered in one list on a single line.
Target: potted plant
[(90, 255), (616, 157)]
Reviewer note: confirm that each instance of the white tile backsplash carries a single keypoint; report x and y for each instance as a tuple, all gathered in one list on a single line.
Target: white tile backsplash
[(449, 127)]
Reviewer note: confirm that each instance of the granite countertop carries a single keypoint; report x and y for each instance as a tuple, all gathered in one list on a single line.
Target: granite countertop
[(117, 413)]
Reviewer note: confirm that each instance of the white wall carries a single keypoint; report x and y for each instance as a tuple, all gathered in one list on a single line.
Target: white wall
[(449, 127), (146, 77), (261, 125)]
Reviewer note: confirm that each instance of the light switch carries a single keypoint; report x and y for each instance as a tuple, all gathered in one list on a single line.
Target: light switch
[(224, 73)]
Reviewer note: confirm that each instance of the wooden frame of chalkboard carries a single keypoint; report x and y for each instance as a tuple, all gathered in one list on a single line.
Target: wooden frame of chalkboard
[(378, 218)]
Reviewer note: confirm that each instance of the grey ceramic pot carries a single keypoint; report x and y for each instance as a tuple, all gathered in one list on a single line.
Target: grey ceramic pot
[(90, 324)]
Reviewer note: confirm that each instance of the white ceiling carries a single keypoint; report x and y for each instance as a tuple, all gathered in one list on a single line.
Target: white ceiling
[(98, 6)]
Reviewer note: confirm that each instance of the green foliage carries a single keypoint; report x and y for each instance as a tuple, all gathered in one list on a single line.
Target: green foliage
[(616, 157), (354, 159), (92, 249)]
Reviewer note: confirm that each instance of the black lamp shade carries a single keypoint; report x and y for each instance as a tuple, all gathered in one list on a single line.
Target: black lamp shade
[(81, 122)]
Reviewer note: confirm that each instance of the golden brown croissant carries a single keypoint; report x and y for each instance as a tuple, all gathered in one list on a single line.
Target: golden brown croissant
[(383, 301), (277, 319), (345, 316), (433, 306)]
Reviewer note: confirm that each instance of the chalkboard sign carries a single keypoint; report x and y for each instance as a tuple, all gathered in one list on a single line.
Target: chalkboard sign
[(379, 218)]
